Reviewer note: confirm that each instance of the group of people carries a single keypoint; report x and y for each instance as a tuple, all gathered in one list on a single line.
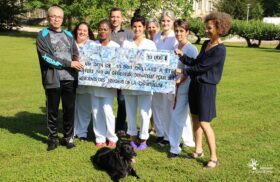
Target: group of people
[(196, 78)]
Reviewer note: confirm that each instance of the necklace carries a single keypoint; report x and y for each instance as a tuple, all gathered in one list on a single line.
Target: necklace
[(213, 44)]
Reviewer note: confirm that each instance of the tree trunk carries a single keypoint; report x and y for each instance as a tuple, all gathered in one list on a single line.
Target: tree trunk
[(69, 22), (248, 41), (278, 46), (198, 40)]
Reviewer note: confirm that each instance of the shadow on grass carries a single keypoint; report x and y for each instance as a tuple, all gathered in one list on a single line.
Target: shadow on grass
[(270, 50), (29, 124), (20, 34), (33, 125)]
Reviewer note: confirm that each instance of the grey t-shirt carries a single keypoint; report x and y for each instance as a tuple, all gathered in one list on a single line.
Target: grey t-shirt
[(121, 35), (62, 50)]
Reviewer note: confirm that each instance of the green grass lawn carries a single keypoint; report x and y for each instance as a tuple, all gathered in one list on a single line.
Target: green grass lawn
[(247, 126)]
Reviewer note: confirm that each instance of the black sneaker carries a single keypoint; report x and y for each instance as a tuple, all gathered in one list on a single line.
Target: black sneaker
[(164, 143), (82, 139), (159, 139), (68, 144), (52, 144), (172, 155)]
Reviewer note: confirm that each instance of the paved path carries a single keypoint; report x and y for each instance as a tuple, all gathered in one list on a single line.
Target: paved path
[(29, 29)]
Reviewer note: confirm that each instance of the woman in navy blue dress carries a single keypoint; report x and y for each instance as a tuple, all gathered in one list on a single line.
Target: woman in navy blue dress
[(206, 72)]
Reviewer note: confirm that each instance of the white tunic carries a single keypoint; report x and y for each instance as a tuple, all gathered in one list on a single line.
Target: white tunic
[(101, 91), (192, 52), (180, 125), (165, 44)]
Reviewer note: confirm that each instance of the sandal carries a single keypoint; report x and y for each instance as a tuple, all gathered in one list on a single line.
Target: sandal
[(195, 155), (216, 163)]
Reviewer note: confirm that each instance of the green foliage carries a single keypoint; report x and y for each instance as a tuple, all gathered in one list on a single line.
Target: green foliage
[(198, 28), (9, 14), (96, 10), (271, 8), (256, 11), (255, 30), (153, 8), (238, 8), (94, 13)]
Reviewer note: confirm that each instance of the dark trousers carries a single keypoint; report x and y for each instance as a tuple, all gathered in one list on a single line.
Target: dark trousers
[(121, 114), (67, 93)]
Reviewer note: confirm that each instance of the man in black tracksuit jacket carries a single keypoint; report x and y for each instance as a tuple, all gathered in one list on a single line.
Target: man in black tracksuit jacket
[(59, 63)]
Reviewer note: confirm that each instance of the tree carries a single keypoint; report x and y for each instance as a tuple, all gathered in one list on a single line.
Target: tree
[(95, 10), (92, 10), (238, 8), (271, 7), (10, 12), (153, 8), (197, 27)]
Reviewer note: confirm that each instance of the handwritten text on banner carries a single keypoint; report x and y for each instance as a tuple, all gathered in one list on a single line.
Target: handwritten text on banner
[(132, 69)]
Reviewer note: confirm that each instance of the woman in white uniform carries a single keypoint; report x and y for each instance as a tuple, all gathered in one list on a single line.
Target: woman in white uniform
[(102, 99), (180, 119), (162, 103), (83, 36), (141, 99)]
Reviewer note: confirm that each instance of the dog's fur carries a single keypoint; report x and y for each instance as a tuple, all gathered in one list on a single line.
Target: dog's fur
[(116, 162)]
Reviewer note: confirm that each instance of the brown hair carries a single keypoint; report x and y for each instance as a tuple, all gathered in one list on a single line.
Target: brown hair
[(90, 33), (221, 20), (116, 9), (182, 23)]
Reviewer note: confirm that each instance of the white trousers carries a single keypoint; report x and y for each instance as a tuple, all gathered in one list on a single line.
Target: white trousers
[(82, 114), (161, 109), (187, 135), (144, 104), (179, 120), (104, 119)]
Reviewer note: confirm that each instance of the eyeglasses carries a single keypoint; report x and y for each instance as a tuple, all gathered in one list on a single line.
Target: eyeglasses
[(56, 17)]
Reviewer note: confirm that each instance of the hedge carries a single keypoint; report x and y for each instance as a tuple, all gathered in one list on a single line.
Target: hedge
[(250, 31)]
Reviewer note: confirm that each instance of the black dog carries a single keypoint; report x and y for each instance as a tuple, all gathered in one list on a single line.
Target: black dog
[(116, 162)]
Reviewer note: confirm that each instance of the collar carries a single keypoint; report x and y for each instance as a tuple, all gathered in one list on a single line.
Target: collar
[(121, 30)]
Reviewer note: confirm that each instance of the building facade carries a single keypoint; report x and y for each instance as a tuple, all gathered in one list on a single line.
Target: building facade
[(202, 8)]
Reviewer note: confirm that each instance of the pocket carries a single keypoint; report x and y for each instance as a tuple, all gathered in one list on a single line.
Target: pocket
[(50, 76)]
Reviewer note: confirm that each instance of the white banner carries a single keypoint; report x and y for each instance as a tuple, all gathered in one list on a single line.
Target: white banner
[(132, 69)]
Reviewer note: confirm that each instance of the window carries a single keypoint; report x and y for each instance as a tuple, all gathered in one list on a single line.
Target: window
[(199, 5), (210, 6)]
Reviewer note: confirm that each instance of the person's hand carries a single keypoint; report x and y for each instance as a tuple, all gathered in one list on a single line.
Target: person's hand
[(76, 65), (179, 52), (181, 79), (179, 71), (178, 81)]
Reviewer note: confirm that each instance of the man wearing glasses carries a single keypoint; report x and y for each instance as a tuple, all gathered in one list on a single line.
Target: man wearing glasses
[(59, 63)]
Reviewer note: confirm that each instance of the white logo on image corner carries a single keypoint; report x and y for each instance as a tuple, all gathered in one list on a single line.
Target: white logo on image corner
[(253, 164)]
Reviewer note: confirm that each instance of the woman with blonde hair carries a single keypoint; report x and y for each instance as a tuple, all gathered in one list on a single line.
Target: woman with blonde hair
[(162, 103)]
